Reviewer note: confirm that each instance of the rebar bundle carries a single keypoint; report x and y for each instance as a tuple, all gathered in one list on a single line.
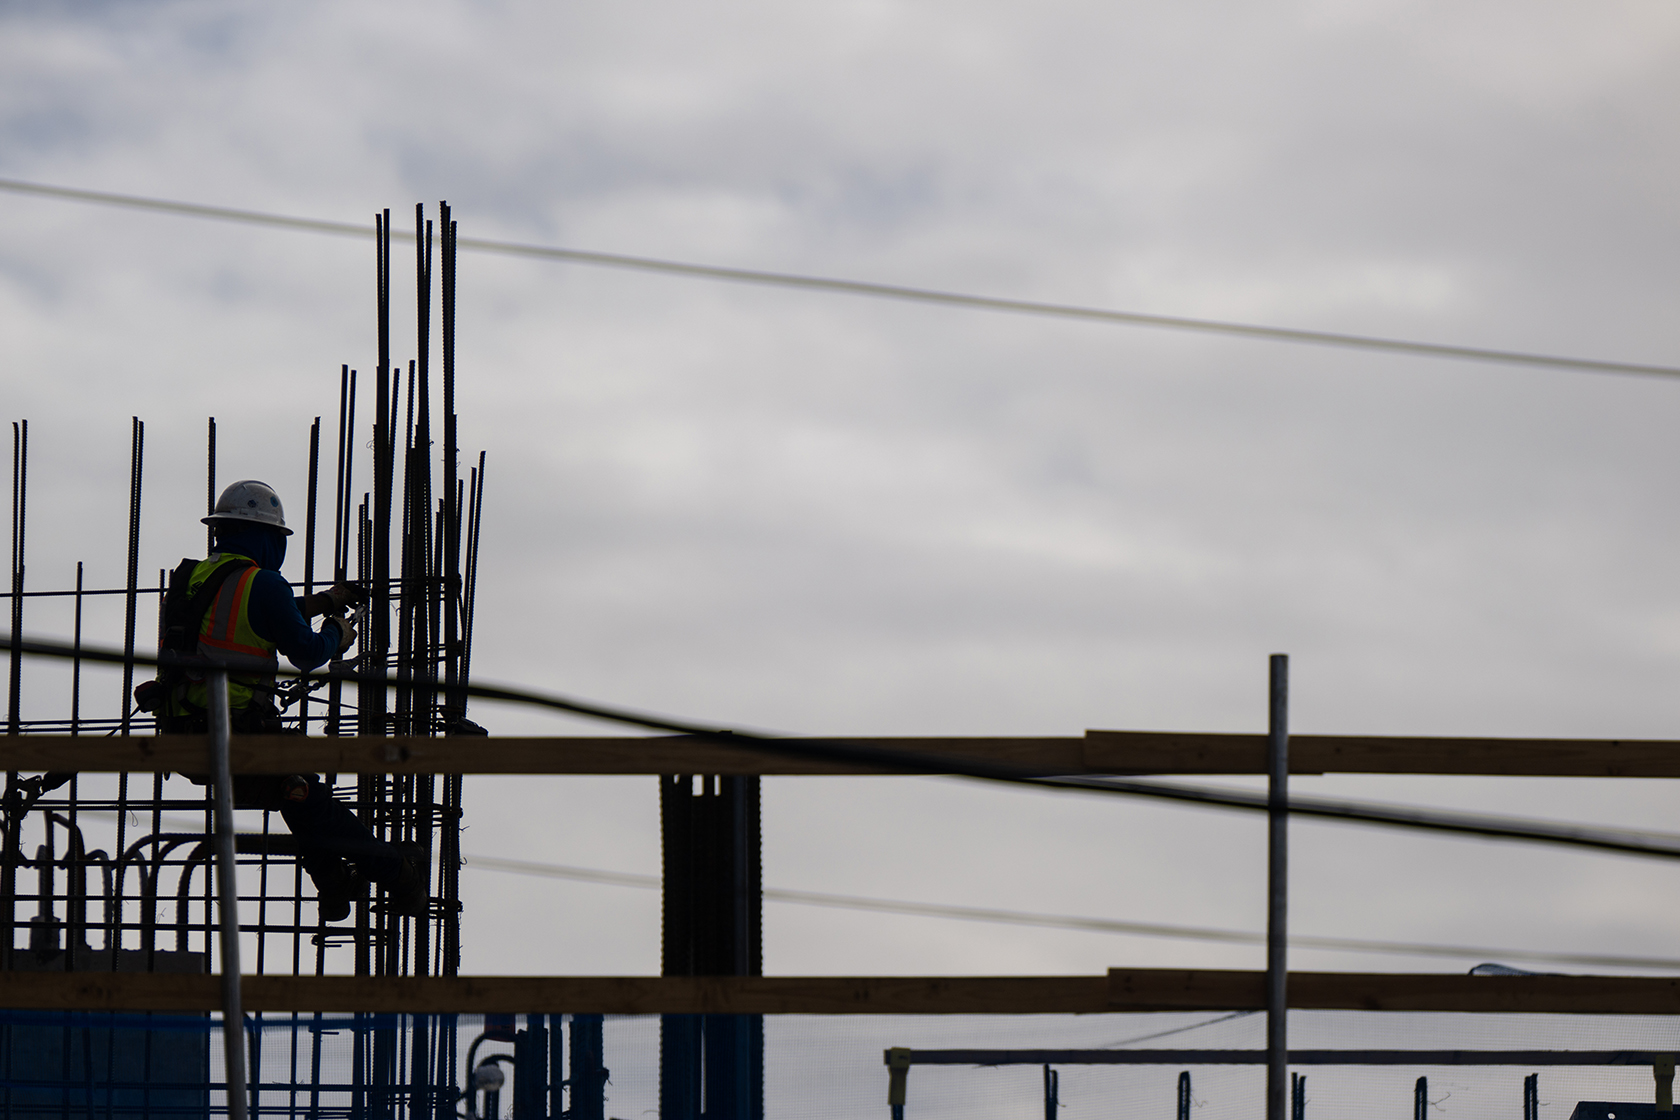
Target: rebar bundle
[(145, 904)]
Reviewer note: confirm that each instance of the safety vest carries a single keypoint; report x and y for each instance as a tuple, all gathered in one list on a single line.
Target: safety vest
[(226, 630)]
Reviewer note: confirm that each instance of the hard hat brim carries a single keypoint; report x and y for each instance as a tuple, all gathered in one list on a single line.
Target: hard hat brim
[(234, 519)]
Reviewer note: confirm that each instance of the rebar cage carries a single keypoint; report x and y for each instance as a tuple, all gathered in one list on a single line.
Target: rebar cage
[(104, 872)]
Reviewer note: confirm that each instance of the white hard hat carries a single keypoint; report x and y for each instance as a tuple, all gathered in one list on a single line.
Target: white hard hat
[(249, 501)]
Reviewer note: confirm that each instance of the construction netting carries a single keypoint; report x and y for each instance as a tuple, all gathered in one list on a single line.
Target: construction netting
[(1171, 1066)]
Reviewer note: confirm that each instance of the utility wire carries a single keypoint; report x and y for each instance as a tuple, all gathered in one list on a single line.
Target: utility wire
[(601, 876), (1621, 841), (865, 287), (1072, 922)]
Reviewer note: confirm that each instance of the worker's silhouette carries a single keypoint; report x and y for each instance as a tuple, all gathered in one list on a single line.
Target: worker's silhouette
[(234, 608)]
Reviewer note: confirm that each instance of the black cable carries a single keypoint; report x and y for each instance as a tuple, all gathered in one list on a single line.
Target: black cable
[(865, 287), (1074, 922), (1660, 845)]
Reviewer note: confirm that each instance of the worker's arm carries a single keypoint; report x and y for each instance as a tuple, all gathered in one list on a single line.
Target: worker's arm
[(276, 618), (335, 600)]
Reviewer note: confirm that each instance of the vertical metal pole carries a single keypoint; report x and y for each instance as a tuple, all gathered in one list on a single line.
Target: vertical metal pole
[(1184, 1095), (20, 492), (227, 887), (1277, 893), (10, 854), (76, 662), (135, 462)]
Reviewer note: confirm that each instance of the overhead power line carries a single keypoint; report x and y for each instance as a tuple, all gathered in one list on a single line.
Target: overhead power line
[(865, 288), (1620, 841), (1071, 922), (601, 876)]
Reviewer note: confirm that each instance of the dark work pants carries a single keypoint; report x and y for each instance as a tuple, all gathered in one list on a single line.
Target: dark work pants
[(325, 828), (327, 832)]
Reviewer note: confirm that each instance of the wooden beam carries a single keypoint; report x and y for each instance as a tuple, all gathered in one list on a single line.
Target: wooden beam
[(267, 754), (1098, 752), (1156, 752), (606, 995), (1121, 990), (1191, 990)]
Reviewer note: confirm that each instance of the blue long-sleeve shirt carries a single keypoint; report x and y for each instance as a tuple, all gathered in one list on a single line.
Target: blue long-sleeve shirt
[(275, 618)]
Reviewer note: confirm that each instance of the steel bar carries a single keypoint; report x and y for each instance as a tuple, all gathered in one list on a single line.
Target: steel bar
[(979, 1057), (1277, 891), (227, 884), (450, 568), (470, 592), (136, 460), (20, 495), (340, 527), (76, 659), (376, 639), (10, 825), (210, 485), (309, 543)]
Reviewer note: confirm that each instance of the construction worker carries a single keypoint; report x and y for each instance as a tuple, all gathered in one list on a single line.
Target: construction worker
[(248, 615)]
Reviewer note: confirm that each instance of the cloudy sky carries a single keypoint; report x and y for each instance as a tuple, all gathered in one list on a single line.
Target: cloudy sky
[(827, 514)]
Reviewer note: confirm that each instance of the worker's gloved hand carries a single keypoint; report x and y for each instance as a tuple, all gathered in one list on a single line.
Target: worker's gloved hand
[(334, 600), (346, 632)]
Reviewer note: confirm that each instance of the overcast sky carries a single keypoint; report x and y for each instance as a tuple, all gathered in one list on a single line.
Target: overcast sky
[(827, 514)]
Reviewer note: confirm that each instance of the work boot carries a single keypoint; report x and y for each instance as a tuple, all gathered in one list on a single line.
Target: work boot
[(408, 894), (336, 888)]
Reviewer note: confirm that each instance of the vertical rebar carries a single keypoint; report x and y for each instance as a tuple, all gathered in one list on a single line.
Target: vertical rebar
[(371, 700), (425, 635), (406, 578), (338, 487), (135, 462), (309, 550), (1420, 1099), (450, 568), (349, 473), (20, 502), (469, 594), (341, 517), (1277, 892), (1184, 1095), (210, 487), (227, 889), (76, 661)]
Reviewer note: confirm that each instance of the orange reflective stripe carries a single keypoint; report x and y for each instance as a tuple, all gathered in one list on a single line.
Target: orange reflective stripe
[(220, 626), (221, 629), (239, 598), (235, 647)]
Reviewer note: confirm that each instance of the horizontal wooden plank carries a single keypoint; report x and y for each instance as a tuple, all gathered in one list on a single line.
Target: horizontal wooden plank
[(607, 995), (1098, 752), (1209, 990), (1157, 752), (268, 754), (1121, 990)]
